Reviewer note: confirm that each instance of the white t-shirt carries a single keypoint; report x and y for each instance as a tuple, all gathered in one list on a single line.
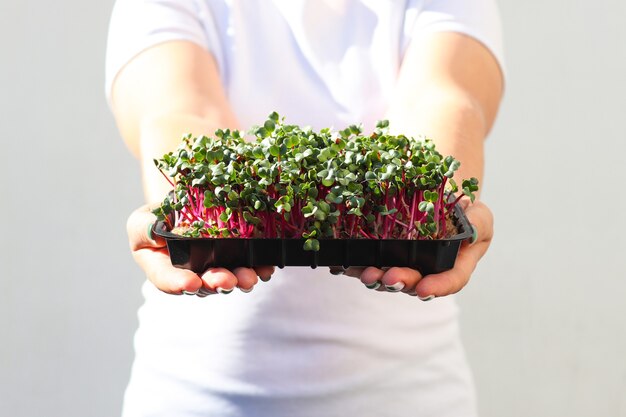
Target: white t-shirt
[(307, 343)]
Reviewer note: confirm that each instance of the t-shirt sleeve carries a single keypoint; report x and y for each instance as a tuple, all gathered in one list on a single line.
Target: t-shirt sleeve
[(479, 19), (139, 24)]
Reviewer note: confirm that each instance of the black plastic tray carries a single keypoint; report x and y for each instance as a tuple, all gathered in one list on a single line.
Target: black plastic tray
[(427, 256)]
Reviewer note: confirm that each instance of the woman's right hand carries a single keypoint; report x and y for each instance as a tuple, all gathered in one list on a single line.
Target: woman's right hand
[(150, 252)]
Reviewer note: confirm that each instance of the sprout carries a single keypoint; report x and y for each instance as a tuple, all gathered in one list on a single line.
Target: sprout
[(296, 183)]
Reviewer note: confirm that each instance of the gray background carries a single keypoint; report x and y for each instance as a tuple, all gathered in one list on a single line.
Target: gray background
[(544, 317)]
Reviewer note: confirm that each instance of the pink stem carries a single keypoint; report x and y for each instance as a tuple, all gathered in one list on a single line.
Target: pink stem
[(167, 178), (366, 234)]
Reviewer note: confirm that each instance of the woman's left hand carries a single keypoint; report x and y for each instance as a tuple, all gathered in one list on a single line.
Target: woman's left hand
[(410, 281)]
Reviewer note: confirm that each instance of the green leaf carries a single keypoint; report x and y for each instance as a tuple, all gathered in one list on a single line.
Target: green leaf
[(320, 215), (269, 126), (332, 198), (370, 176), (355, 129), (283, 207), (453, 186), (388, 212), (257, 152), (209, 198), (363, 171), (327, 182), (323, 206), (470, 194), (249, 218), (431, 196), (381, 124), (452, 168), (426, 207), (312, 245)]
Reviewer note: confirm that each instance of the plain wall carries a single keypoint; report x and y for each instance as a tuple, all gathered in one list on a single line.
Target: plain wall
[(544, 317), (69, 288)]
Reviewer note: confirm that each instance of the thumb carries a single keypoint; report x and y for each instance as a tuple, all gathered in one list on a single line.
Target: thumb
[(139, 228)]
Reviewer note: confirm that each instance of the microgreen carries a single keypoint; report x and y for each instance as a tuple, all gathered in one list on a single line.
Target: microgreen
[(294, 182)]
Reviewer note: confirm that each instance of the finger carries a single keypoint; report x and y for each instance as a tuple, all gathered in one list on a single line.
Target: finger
[(264, 272), (371, 277), (481, 219), (139, 226), (353, 271), (219, 280), (336, 270), (159, 270), (246, 278), (453, 280), (400, 279)]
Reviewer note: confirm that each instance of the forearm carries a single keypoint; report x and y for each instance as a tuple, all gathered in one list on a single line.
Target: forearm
[(452, 119), (163, 134), (449, 88), (154, 109)]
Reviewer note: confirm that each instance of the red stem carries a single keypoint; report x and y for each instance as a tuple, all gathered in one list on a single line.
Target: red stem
[(167, 178), (413, 208)]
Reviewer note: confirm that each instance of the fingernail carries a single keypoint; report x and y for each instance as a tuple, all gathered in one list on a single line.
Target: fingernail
[(430, 297), (374, 285), (246, 290), (221, 290), (338, 270), (149, 232), (190, 293), (265, 279), (474, 237), (203, 292), (395, 287)]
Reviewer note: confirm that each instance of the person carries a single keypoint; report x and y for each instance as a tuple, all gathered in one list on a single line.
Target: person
[(307, 343)]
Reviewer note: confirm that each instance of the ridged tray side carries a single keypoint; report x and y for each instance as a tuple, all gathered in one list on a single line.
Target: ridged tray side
[(427, 256)]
